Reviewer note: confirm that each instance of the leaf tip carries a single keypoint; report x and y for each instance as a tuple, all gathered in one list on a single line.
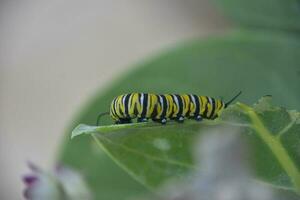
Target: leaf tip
[(79, 130)]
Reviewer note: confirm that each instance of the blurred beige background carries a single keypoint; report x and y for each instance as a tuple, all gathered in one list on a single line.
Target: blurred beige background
[(55, 54)]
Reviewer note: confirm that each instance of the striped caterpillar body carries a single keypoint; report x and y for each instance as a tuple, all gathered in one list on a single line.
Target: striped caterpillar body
[(160, 108)]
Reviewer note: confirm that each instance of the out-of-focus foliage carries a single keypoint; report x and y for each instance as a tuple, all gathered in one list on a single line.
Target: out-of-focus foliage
[(257, 61), (274, 14), (154, 153)]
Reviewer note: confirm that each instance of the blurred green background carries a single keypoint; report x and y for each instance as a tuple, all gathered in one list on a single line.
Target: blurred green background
[(56, 55)]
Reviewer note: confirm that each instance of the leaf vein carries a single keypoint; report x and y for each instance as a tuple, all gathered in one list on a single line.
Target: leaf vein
[(285, 129)]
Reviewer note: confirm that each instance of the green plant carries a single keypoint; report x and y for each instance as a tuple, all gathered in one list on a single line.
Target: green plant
[(260, 57)]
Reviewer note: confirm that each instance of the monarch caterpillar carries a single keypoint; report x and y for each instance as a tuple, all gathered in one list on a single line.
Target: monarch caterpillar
[(161, 107)]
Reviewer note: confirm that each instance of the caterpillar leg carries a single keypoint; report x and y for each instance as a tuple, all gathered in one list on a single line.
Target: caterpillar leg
[(180, 119), (124, 121), (198, 118), (142, 119), (162, 120)]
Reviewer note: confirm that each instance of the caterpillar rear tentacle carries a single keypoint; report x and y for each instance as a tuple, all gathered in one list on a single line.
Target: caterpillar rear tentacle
[(163, 107), (99, 117)]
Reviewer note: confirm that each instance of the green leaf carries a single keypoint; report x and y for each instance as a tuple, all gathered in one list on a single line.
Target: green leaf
[(149, 152), (153, 153), (274, 14), (276, 158), (258, 63)]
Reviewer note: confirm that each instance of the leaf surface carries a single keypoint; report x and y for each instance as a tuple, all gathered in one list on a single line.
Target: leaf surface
[(154, 153)]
